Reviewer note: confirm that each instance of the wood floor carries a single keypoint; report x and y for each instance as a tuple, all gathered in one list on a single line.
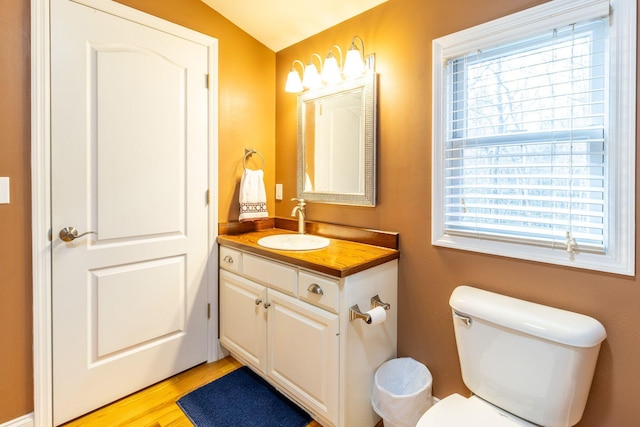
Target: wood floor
[(156, 405)]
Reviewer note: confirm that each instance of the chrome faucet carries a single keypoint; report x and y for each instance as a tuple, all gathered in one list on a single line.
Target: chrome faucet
[(298, 211)]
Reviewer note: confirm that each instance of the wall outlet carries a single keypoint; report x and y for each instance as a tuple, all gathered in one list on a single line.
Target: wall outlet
[(278, 191), (4, 191)]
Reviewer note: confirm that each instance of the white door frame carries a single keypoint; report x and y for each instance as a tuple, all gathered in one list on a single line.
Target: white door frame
[(41, 188)]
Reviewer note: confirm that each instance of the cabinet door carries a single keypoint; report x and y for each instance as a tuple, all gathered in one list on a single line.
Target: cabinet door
[(303, 345), (243, 319)]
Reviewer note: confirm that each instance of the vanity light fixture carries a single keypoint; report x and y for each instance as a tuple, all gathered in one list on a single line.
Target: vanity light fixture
[(334, 70), (354, 62), (331, 71), (294, 84), (311, 77)]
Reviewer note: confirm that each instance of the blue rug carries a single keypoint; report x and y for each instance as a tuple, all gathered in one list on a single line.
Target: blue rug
[(241, 399)]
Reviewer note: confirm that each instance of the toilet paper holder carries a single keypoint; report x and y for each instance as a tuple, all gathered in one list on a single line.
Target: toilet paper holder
[(355, 313)]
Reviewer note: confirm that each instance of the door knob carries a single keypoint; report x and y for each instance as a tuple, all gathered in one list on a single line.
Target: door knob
[(69, 234)]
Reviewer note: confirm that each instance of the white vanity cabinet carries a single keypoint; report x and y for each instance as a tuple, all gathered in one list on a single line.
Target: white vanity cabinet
[(291, 342), (291, 324)]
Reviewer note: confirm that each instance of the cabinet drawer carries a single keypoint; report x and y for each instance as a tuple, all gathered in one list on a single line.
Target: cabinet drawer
[(230, 259), (310, 286), (274, 275)]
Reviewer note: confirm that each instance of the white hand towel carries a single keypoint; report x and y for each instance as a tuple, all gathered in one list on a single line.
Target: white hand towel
[(253, 197)]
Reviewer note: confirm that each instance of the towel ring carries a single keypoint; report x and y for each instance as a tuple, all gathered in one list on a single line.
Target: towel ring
[(248, 153)]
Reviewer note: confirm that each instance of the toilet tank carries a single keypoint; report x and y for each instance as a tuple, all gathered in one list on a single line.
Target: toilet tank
[(534, 361)]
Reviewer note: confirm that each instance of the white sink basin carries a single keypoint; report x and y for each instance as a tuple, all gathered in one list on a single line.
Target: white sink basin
[(294, 242)]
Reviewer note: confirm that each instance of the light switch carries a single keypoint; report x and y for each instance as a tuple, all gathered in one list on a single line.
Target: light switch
[(278, 191), (4, 190)]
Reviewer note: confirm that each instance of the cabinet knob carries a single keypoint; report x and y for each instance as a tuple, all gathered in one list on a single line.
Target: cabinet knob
[(314, 288), (267, 304), (258, 301), (228, 259)]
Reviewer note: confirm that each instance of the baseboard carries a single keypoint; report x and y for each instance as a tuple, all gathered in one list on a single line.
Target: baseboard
[(23, 421), (222, 352)]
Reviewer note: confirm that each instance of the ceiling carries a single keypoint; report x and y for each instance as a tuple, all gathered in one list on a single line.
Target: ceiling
[(281, 23)]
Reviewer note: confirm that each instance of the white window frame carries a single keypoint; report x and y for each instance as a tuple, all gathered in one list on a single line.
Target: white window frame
[(620, 255)]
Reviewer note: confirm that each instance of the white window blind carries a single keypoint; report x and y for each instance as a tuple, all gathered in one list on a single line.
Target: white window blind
[(526, 150), (534, 136)]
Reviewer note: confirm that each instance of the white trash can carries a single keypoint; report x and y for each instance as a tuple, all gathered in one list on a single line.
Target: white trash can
[(401, 392)]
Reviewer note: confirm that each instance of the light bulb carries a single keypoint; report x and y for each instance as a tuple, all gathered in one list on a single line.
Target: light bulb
[(331, 70), (294, 84), (311, 79), (353, 64)]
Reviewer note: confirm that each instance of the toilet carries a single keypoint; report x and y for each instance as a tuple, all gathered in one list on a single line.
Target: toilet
[(526, 364)]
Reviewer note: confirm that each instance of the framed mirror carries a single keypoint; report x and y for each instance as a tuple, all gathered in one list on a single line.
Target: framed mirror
[(337, 143)]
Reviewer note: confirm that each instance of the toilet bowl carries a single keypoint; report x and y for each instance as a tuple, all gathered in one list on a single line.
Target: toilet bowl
[(511, 352)]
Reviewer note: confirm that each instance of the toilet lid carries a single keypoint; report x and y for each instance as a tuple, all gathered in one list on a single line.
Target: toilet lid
[(458, 411)]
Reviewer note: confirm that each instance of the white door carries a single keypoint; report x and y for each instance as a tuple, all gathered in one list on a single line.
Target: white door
[(129, 132)]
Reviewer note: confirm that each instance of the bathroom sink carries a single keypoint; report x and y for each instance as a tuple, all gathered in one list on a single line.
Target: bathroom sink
[(294, 242)]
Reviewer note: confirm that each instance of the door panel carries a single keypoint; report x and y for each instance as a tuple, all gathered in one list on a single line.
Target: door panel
[(132, 172), (129, 162), (243, 319), (112, 317), (308, 367)]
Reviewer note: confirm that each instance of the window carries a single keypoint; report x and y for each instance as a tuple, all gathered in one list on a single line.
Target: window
[(534, 136)]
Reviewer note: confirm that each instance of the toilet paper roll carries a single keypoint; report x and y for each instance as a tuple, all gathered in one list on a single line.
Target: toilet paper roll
[(378, 315)]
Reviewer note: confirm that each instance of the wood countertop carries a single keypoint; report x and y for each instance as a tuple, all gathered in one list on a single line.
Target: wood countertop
[(340, 259)]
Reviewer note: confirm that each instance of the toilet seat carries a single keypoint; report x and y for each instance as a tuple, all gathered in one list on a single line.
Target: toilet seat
[(459, 411)]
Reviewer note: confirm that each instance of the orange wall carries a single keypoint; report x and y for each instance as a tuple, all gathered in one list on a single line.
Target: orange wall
[(16, 391), (400, 34)]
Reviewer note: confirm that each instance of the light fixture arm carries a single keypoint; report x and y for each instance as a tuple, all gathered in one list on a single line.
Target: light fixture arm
[(353, 44), (330, 54), (319, 60), (293, 66)]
